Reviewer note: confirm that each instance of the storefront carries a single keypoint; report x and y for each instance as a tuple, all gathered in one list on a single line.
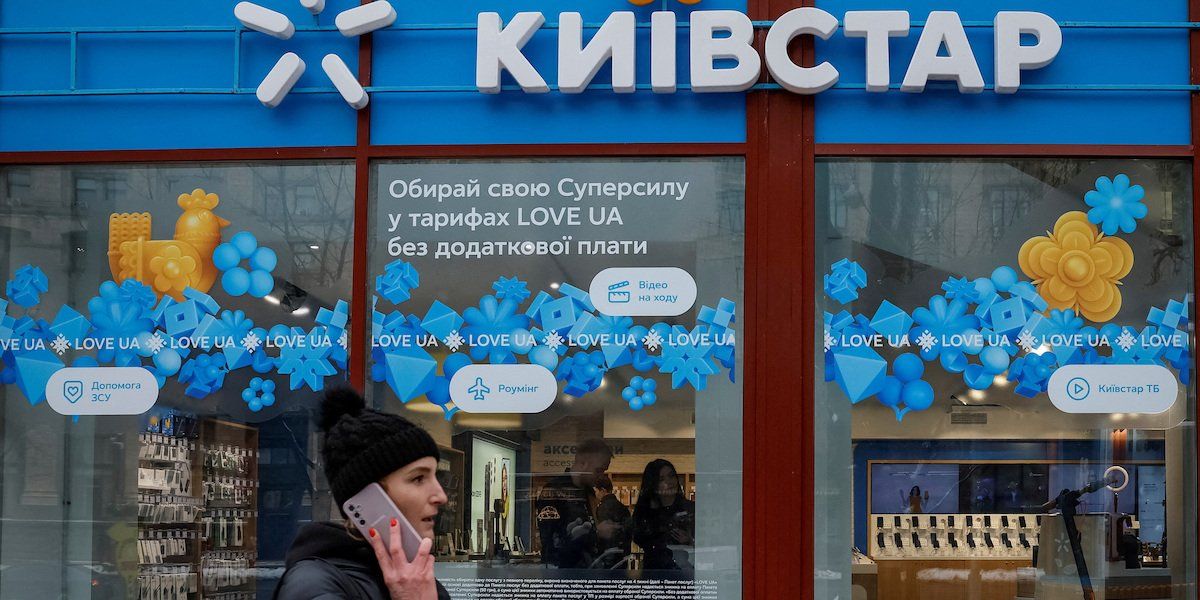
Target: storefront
[(911, 321)]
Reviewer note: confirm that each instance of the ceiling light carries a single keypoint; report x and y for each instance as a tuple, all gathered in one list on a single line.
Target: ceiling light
[(271, 299), (424, 407), (314, 247)]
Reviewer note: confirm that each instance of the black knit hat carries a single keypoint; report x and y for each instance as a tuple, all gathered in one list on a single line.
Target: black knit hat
[(362, 445)]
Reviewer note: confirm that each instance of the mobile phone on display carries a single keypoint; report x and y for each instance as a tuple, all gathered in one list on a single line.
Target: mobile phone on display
[(373, 509)]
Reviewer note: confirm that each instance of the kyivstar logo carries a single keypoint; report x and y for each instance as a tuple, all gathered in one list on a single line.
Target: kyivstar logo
[(288, 69)]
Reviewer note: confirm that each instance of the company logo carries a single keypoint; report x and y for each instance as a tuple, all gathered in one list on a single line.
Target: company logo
[(288, 69)]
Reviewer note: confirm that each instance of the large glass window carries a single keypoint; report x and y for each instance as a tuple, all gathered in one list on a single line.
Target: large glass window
[(567, 330), (1007, 409), (165, 332)]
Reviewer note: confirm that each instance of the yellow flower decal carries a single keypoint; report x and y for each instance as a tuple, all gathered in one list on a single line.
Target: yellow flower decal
[(172, 271), (1077, 267)]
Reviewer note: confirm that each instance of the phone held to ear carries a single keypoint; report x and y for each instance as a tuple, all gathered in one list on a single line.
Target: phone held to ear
[(373, 509)]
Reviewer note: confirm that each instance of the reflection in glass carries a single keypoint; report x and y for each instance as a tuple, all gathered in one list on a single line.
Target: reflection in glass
[(963, 414)]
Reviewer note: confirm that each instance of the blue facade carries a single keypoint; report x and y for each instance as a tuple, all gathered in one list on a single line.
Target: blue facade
[(422, 58)]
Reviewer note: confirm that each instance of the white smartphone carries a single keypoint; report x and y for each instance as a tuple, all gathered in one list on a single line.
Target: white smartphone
[(371, 508)]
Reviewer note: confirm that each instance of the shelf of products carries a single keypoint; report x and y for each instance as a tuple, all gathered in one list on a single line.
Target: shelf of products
[(197, 517), (449, 526), (954, 537)]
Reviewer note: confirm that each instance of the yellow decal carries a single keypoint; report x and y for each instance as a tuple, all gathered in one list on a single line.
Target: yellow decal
[(168, 266), (1077, 267)]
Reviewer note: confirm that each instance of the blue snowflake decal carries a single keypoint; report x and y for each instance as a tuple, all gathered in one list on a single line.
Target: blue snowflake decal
[(511, 288), (308, 363), (961, 289), (686, 358), (27, 286)]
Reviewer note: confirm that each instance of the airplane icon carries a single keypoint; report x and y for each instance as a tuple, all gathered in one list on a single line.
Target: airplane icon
[(479, 389)]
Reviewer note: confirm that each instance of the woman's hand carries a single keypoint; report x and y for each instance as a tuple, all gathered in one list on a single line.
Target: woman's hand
[(681, 537), (405, 580)]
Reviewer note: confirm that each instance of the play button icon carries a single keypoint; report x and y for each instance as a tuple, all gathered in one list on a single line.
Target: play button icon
[(1078, 388)]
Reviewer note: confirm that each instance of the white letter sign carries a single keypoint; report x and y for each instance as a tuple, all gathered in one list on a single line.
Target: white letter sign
[(706, 48), (794, 78), (500, 48), (1012, 57)]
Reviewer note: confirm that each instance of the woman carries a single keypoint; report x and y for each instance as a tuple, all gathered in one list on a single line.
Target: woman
[(915, 503), (664, 521), (330, 561)]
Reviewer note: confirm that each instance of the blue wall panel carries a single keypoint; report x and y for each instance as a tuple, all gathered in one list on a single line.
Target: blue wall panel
[(412, 58), (402, 58), (1088, 56), (162, 60)]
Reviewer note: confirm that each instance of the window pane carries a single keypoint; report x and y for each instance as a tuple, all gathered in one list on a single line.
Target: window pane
[(505, 273), (1038, 343), (214, 478)]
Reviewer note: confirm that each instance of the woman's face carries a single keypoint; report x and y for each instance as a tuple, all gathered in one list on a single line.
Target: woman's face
[(417, 493), (668, 482)]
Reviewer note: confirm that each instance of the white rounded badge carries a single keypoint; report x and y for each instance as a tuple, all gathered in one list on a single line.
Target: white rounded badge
[(101, 391)]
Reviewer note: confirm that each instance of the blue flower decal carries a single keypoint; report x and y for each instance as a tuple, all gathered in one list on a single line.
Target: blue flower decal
[(1116, 204), (494, 318), (119, 314), (934, 327)]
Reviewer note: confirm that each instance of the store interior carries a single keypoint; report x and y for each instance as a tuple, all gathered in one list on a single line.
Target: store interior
[(990, 491)]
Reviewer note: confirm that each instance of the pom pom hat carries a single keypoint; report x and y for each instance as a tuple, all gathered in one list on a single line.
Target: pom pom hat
[(362, 445)]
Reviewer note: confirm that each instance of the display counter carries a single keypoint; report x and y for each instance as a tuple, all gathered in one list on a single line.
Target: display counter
[(967, 537)]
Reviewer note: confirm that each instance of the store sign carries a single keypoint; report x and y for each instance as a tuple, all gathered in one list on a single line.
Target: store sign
[(721, 36)]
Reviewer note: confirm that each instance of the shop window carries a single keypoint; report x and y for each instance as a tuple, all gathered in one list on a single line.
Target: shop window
[(620, 476), (93, 190), (18, 185), (202, 492), (1009, 204), (1036, 361)]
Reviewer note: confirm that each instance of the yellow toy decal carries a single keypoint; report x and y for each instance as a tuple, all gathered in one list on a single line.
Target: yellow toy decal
[(168, 266)]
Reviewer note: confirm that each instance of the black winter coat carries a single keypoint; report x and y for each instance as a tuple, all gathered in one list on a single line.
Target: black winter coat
[(325, 563)]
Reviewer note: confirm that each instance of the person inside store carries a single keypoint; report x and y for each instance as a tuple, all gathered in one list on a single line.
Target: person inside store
[(329, 561), (915, 503), (566, 509), (664, 520), (614, 527)]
